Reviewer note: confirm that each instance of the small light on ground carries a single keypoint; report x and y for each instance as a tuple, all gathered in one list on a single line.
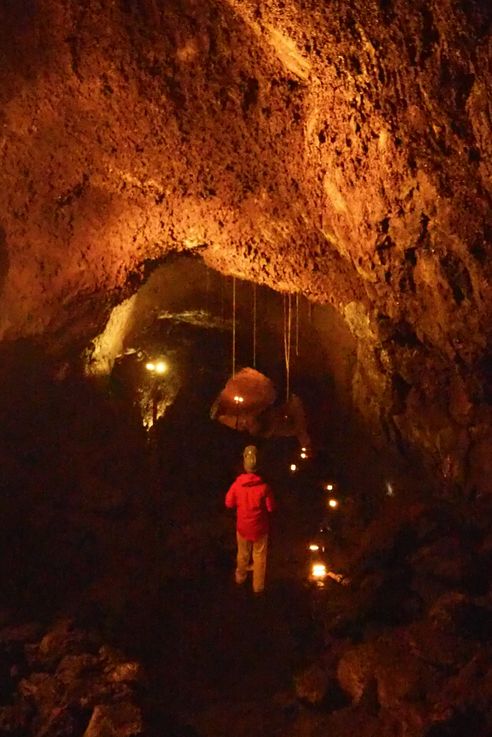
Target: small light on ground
[(318, 571), (293, 467), (333, 503), (329, 487), (150, 366), (303, 455), (313, 547)]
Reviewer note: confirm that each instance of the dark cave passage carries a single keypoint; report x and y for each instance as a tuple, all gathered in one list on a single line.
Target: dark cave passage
[(118, 554)]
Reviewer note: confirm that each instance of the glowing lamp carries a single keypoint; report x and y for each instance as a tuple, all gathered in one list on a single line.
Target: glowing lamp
[(333, 503), (150, 366), (303, 450), (160, 367), (293, 467), (313, 547), (303, 455), (318, 571), (238, 399), (329, 487)]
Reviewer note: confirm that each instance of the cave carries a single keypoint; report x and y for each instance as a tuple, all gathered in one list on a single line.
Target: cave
[(292, 197)]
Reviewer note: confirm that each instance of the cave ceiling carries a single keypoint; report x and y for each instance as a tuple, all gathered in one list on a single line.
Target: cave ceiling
[(339, 149)]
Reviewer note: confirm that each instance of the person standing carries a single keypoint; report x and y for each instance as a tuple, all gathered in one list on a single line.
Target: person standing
[(254, 502)]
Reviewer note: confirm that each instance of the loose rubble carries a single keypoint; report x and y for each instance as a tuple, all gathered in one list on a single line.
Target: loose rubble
[(64, 682)]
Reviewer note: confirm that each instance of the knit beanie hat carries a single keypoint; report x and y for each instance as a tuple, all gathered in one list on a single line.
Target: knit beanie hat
[(249, 458)]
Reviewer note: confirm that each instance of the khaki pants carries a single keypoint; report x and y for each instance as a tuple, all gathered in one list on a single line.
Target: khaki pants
[(259, 550)]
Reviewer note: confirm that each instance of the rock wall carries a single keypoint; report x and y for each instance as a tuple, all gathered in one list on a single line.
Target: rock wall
[(341, 149)]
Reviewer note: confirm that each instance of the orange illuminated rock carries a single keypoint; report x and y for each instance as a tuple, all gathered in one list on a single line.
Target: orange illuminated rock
[(342, 151)]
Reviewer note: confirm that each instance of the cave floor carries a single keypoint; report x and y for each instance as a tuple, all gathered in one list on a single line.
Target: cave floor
[(227, 664), (223, 661)]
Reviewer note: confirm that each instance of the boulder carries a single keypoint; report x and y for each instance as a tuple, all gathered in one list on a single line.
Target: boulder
[(128, 672), (463, 705), (356, 669), (74, 667), (405, 682), (117, 720), (312, 685), (399, 675), (441, 649), (63, 639), (43, 691)]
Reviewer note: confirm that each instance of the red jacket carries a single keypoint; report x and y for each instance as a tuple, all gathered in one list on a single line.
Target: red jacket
[(254, 500)]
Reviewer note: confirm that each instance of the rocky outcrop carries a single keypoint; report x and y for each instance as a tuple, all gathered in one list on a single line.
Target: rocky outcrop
[(419, 671), (342, 151), (64, 681)]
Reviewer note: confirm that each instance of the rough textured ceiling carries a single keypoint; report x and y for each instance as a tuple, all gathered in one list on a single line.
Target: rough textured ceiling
[(341, 149)]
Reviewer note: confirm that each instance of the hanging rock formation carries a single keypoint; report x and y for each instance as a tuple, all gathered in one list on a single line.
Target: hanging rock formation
[(338, 149)]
